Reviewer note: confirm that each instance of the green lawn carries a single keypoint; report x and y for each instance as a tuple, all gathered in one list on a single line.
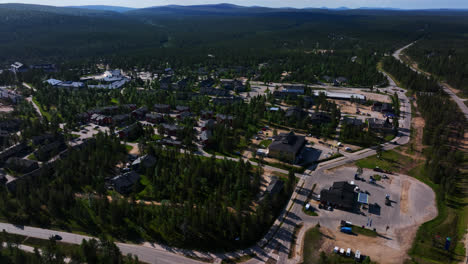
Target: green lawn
[(309, 212), (364, 231), (44, 113), (390, 161), (265, 143), (312, 243)]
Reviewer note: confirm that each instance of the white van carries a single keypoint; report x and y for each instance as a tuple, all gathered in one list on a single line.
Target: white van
[(336, 249), (348, 252), (357, 256), (341, 251)]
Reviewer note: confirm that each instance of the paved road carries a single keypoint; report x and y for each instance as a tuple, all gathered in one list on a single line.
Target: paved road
[(458, 100), (144, 253)]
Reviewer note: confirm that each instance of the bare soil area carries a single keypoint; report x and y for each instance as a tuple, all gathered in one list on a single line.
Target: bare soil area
[(379, 248)]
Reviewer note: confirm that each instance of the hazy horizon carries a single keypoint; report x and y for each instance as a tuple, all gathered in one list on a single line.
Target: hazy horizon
[(402, 4)]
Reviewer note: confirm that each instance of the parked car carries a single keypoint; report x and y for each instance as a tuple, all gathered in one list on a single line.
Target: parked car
[(57, 237), (348, 252), (357, 256), (336, 250)]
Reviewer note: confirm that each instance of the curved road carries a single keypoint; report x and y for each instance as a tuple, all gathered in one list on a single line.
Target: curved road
[(460, 102)]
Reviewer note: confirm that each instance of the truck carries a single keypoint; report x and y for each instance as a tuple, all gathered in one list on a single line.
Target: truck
[(347, 230), (346, 223)]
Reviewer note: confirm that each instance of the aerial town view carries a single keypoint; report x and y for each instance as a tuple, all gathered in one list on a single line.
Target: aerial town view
[(253, 131)]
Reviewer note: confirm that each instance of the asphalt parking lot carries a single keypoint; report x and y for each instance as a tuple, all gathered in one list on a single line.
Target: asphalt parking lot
[(412, 202)]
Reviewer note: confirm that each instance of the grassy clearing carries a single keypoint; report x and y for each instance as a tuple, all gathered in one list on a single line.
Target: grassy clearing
[(312, 243), (44, 113), (390, 161), (309, 212), (265, 143), (364, 231)]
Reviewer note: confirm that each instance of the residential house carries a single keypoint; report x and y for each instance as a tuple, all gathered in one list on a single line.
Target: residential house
[(21, 165), (320, 118), (205, 137), (206, 114), (140, 113), (10, 125), (130, 132), (181, 109), (120, 120), (101, 120), (224, 119), (380, 125), (171, 130), (206, 124), (209, 82), (226, 100), (233, 85), (48, 151), (276, 186), (295, 112), (340, 81), (170, 142), (13, 151), (213, 91), (352, 121), (154, 118), (341, 195), (162, 108), (183, 115), (287, 147), (124, 183), (144, 162), (165, 83)]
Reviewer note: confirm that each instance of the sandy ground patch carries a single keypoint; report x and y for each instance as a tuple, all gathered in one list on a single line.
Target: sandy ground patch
[(5, 109), (404, 196), (378, 248)]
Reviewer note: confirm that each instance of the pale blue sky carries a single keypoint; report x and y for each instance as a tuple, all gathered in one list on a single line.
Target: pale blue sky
[(406, 4)]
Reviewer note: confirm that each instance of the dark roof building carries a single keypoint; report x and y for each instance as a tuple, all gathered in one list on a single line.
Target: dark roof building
[(352, 121), (287, 147), (340, 195), (124, 183), (320, 117), (154, 118), (144, 162), (162, 108), (213, 91), (380, 125), (21, 165), (295, 112), (276, 186), (226, 100)]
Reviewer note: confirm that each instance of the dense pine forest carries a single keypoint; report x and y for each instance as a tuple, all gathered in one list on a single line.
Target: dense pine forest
[(443, 135)]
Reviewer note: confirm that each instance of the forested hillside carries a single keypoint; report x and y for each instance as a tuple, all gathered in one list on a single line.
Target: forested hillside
[(33, 33)]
